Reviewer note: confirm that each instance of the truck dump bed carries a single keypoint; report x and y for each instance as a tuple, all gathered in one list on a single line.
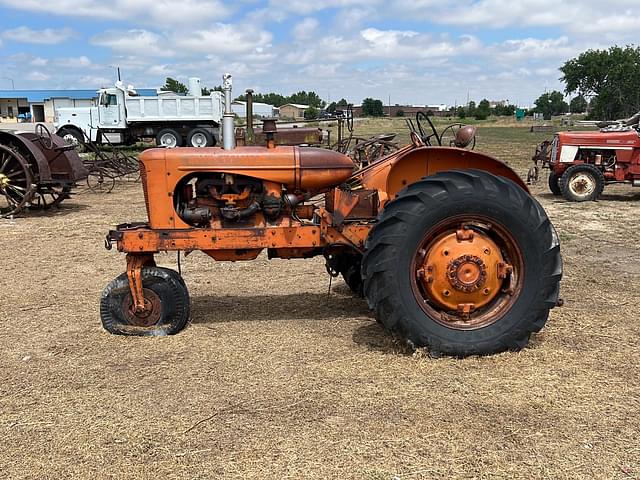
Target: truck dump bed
[(174, 107)]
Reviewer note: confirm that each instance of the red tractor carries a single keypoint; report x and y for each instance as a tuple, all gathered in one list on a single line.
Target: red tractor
[(582, 163)]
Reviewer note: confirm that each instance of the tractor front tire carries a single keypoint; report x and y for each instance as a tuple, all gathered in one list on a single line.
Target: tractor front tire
[(582, 183), (166, 294), (443, 244), (352, 276), (554, 183)]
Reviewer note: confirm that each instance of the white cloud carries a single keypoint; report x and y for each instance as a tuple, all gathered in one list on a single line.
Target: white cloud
[(528, 49), (39, 62), (48, 36), (305, 29), (70, 62), (135, 41), (223, 39), (37, 76), (153, 12)]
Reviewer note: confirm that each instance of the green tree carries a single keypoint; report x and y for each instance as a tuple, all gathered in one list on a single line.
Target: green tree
[(549, 104), (307, 98), (504, 110), (471, 109), (611, 77), (277, 100), (578, 104), (332, 107), (311, 113), (372, 108), (483, 110), (207, 91), (400, 113), (173, 85), (461, 112)]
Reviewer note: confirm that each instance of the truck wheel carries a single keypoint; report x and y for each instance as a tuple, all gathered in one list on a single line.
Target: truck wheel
[(583, 182), (554, 183), (166, 295), (72, 137), (168, 137), (199, 137), (463, 263)]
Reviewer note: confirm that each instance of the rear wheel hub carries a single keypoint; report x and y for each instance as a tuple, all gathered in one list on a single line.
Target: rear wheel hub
[(462, 270), (147, 317)]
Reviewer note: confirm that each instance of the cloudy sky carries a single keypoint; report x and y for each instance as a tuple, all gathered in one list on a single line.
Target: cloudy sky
[(415, 51)]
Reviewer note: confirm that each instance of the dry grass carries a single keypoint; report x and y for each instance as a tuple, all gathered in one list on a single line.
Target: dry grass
[(274, 379)]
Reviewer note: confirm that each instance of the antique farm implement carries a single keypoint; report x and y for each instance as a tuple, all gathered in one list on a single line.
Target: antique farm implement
[(37, 170), (446, 244)]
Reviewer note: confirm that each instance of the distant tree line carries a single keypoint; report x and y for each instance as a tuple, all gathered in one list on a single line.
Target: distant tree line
[(483, 110), (277, 100), (173, 85)]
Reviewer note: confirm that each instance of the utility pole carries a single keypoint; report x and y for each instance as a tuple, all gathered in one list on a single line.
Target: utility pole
[(389, 106), (13, 86)]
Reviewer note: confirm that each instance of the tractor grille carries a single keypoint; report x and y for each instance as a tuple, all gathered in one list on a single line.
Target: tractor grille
[(143, 179), (554, 150)]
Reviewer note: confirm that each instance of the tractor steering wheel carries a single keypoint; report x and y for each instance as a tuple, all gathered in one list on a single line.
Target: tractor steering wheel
[(44, 136), (349, 117), (426, 138)]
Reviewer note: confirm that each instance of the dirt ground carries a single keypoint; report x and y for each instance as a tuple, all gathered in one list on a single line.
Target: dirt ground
[(274, 378)]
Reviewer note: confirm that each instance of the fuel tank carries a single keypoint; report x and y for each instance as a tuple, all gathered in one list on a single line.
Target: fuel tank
[(299, 168)]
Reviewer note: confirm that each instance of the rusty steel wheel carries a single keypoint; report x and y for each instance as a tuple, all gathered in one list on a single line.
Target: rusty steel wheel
[(50, 196), (17, 187), (166, 305), (463, 263)]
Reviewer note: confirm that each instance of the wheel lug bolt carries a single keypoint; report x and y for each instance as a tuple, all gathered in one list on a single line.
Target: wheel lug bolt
[(486, 291), (446, 293)]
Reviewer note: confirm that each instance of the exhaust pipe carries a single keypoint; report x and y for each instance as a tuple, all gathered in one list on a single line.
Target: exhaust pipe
[(249, 114), (228, 127)]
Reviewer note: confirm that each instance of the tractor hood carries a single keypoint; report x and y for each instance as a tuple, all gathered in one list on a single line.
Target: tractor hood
[(306, 169), (601, 139)]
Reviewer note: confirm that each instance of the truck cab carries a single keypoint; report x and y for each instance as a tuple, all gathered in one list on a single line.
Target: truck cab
[(110, 110), (76, 124)]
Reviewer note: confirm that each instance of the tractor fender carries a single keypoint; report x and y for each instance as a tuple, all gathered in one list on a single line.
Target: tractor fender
[(41, 169), (425, 161)]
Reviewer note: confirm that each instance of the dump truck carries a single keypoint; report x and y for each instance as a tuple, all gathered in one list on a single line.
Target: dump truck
[(124, 117), (447, 245)]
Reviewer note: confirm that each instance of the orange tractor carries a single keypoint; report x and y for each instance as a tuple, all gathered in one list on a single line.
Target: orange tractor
[(447, 245)]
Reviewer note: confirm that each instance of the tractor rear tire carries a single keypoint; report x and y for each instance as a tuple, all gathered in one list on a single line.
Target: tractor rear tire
[(169, 300), (582, 183), (469, 201), (554, 183)]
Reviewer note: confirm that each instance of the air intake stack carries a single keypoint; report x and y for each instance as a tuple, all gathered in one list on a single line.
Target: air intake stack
[(228, 127)]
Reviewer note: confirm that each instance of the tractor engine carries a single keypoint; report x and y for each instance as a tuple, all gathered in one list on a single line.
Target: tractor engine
[(230, 199)]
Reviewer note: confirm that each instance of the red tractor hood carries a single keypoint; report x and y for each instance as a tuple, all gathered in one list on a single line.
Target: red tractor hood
[(602, 139)]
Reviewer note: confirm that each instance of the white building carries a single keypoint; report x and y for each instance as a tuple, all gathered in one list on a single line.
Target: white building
[(259, 109)]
